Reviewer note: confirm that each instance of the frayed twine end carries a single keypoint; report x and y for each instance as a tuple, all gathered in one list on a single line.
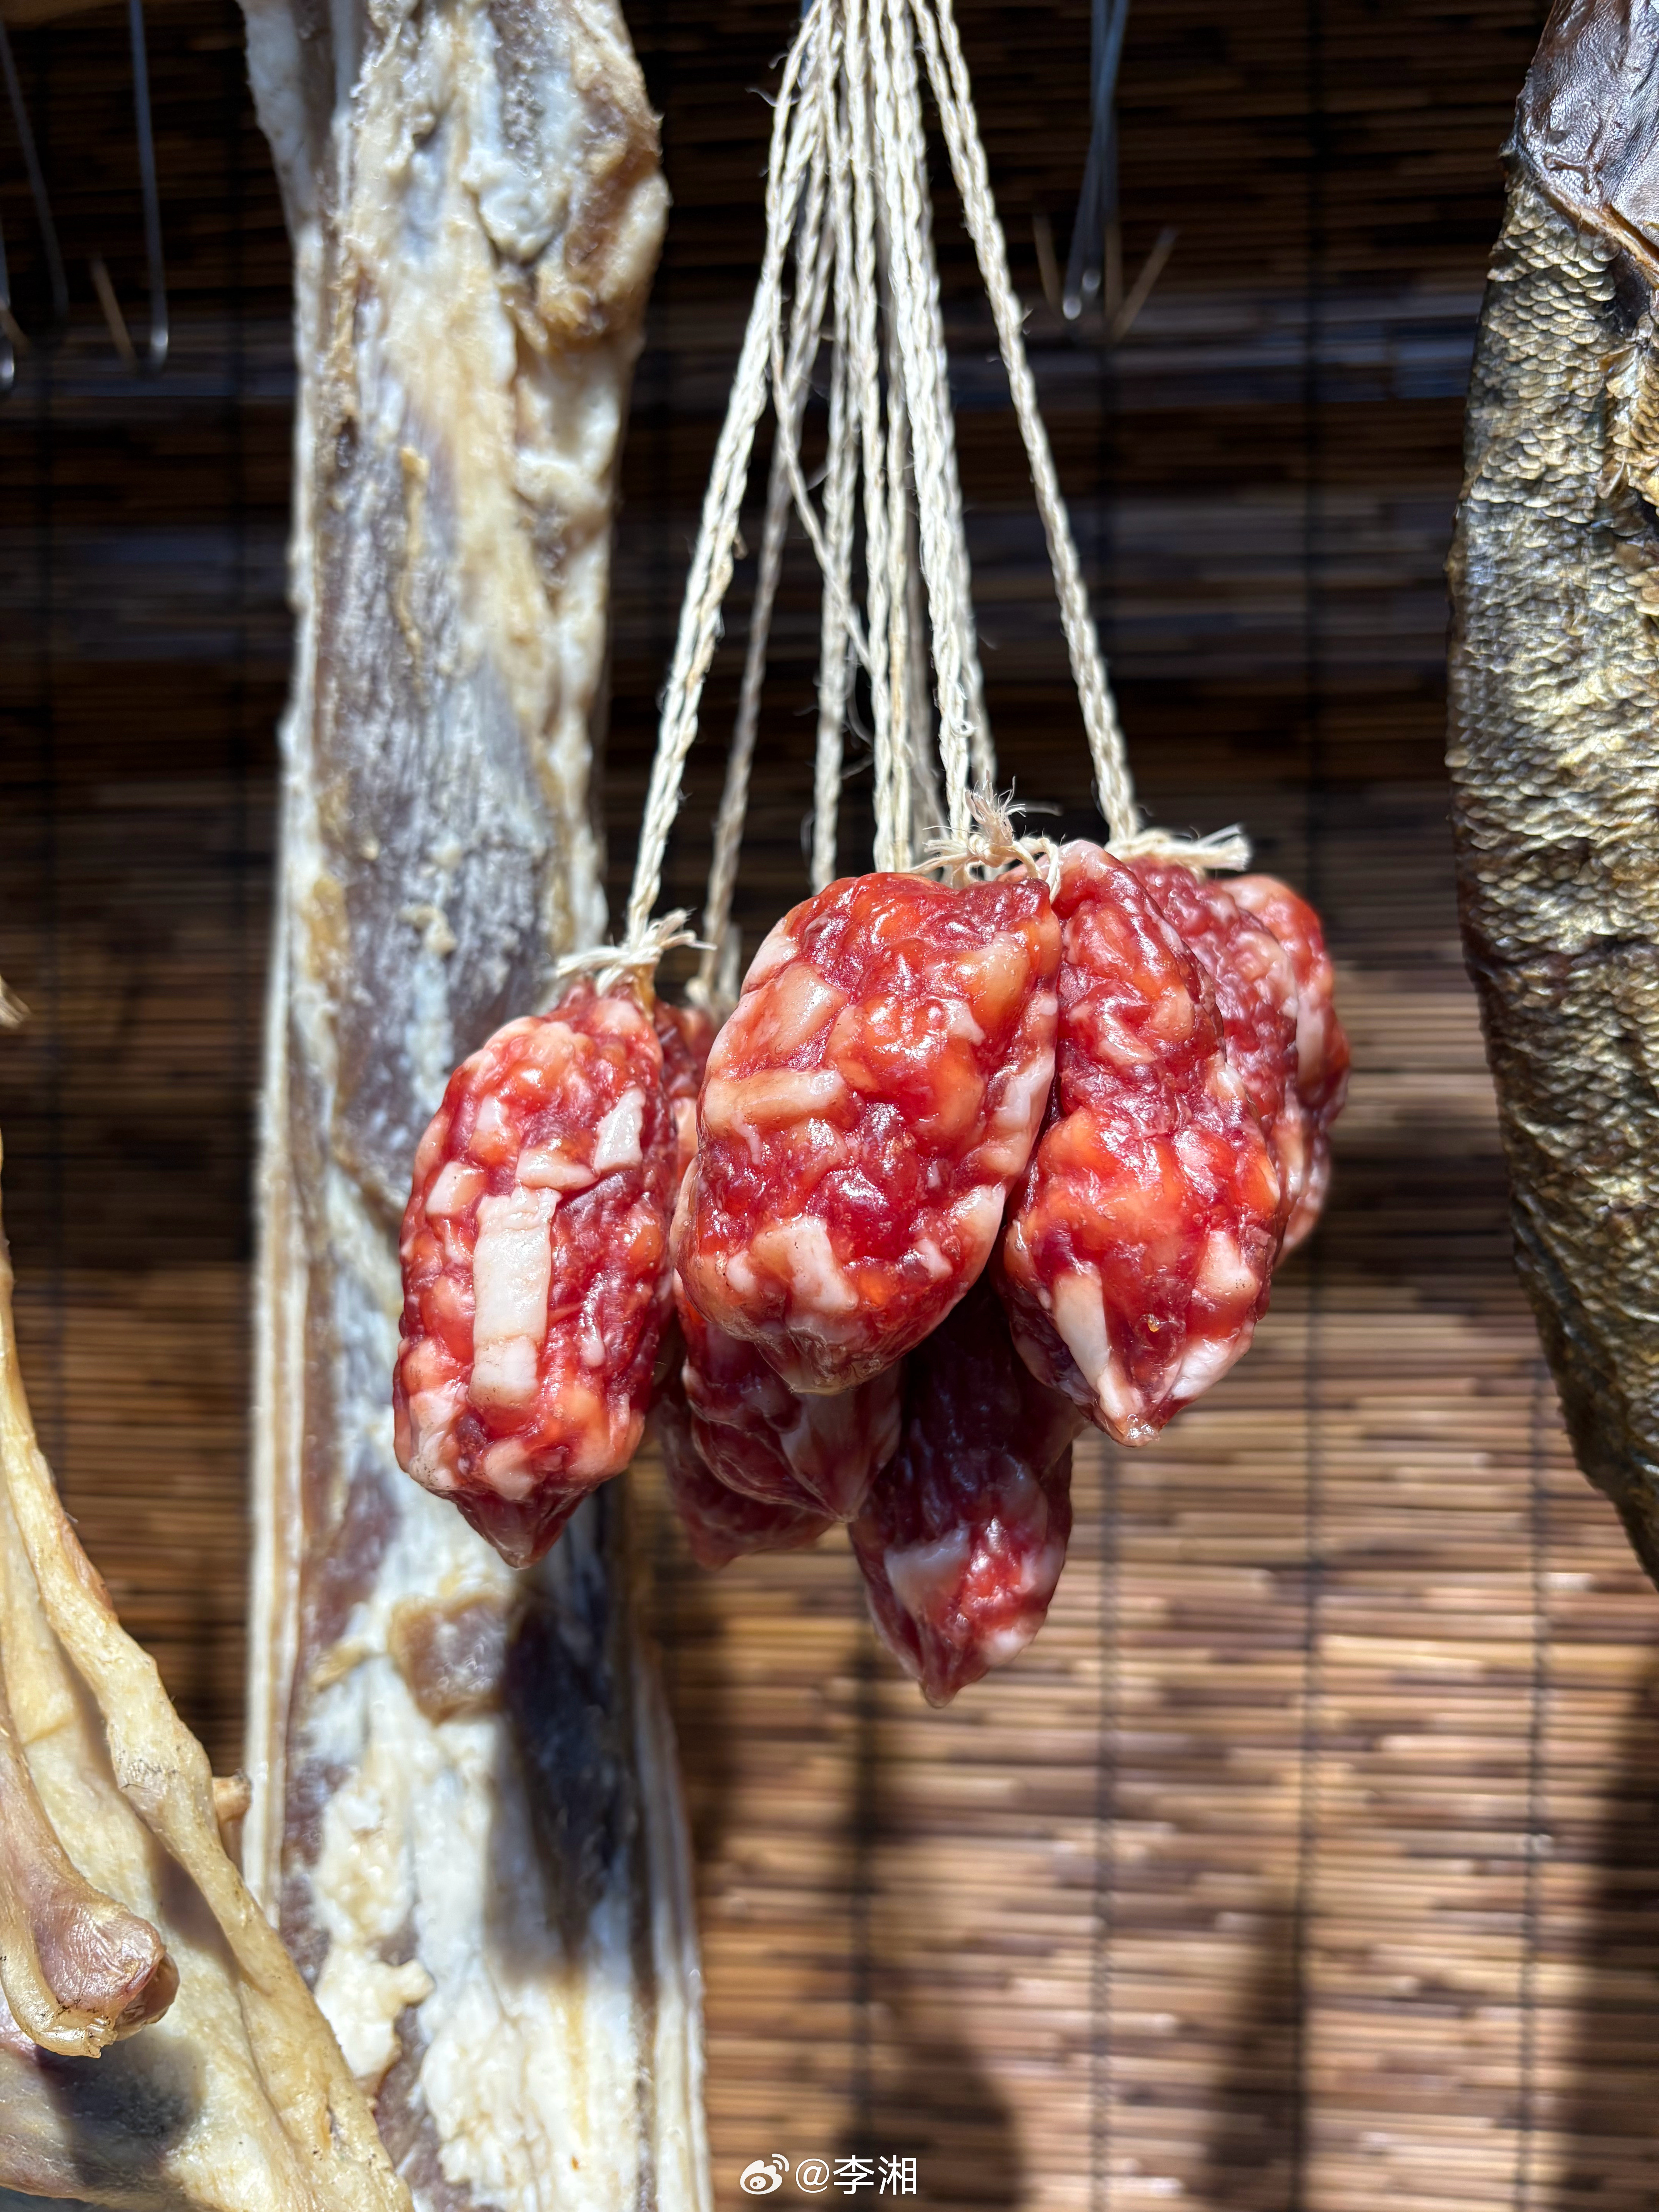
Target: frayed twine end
[(994, 843), (1222, 848), (609, 963), (12, 1012)]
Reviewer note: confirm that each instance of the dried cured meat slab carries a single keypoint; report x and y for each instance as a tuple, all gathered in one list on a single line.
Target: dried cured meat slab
[(464, 1809)]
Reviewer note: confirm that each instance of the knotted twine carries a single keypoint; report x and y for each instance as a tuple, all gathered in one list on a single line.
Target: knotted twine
[(847, 205)]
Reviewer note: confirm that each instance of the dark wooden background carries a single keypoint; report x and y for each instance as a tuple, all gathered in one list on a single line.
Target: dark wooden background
[(1308, 1859)]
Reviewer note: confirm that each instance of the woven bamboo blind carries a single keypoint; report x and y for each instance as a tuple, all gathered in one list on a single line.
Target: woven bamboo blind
[(1308, 1862)]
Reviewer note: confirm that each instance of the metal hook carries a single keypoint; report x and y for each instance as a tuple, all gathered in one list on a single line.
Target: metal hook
[(120, 335), (156, 350), (1097, 207), (12, 337), (158, 283)]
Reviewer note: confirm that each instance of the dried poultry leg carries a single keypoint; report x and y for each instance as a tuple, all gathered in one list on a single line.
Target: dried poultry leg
[(227, 2090)]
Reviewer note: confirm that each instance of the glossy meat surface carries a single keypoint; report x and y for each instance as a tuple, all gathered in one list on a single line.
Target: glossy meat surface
[(721, 1524), (685, 1034), (1322, 1047), (534, 1257), (964, 1534), (1255, 998), (781, 1446), (865, 1109), (1139, 1245)]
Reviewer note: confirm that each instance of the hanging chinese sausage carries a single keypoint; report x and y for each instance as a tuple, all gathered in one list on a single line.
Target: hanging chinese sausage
[(865, 1108), (785, 1447), (1140, 1243), (534, 1251), (964, 1534), (721, 1524)]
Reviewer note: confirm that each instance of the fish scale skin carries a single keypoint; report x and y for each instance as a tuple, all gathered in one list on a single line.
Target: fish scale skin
[(1553, 750)]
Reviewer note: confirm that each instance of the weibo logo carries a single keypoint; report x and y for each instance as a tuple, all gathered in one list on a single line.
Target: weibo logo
[(763, 2175)]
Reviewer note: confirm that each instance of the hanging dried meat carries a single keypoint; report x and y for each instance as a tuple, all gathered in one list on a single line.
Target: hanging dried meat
[(964, 1534), (1322, 1048), (464, 1810), (1554, 699), (865, 1111), (158, 2049), (535, 1267), (783, 1447), (722, 1524), (685, 1034), (1263, 951), (1140, 1246), (873, 1099)]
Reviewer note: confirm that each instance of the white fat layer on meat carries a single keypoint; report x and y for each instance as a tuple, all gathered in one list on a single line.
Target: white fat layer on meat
[(997, 1646), (1039, 1572), (1205, 1361), (924, 1576), (511, 1267), (617, 1141), (799, 1253), (978, 1216), (933, 1259), (1079, 1312), (456, 1186), (776, 948), (547, 1167), (798, 1005), (1223, 1274), (1013, 1127), (741, 1106), (504, 1372), (458, 429)]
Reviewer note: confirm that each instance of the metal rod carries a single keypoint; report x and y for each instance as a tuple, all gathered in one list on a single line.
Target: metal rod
[(1098, 201), (7, 355), (157, 353), (56, 279)]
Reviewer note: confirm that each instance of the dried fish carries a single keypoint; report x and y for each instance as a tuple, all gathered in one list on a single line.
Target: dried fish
[(125, 1929), (1554, 707), (465, 1802)]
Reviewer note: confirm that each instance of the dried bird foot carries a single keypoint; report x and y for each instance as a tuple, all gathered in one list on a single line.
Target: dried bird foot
[(119, 1910)]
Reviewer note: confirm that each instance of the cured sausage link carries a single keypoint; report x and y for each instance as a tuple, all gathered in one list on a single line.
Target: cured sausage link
[(1263, 951), (964, 1534), (1139, 1245), (534, 1253), (784, 1447), (1322, 1047), (722, 1524), (865, 1108)]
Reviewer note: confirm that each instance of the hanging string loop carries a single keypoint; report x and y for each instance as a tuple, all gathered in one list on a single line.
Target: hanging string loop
[(847, 206)]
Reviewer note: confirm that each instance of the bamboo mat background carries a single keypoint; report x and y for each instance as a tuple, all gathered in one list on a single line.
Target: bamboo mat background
[(1308, 1860)]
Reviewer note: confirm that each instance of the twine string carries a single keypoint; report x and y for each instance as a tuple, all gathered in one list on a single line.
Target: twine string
[(848, 197), (791, 371)]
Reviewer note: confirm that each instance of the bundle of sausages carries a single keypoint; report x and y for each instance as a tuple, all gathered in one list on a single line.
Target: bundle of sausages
[(967, 1166)]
